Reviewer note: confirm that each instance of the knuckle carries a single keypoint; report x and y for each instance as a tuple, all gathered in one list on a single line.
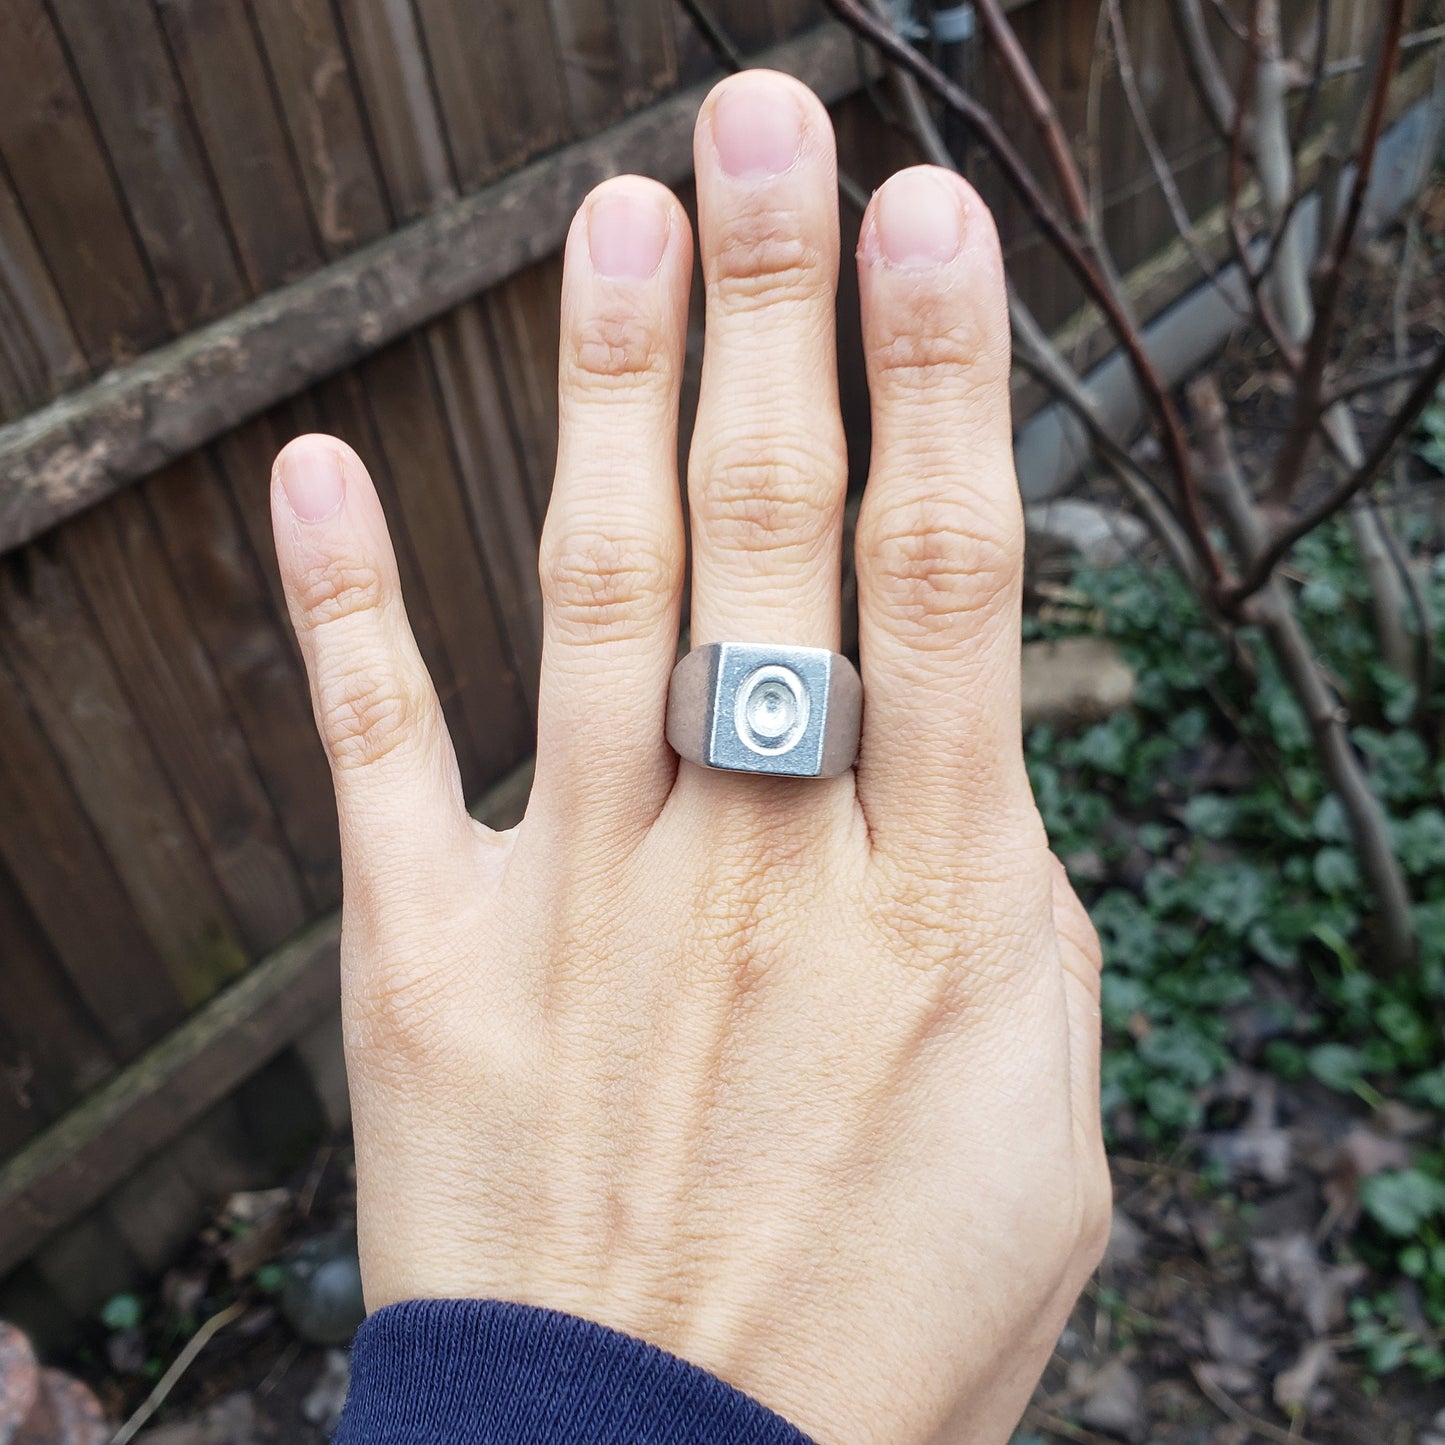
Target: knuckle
[(366, 712), (963, 356), (397, 1012), (760, 494), (761, 258), (334, 588), (929, 561), (614, 350), (609, 585)]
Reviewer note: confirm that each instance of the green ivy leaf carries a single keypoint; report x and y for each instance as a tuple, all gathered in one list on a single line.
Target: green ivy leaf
[(1338, 1066), (1335, 871), (122, 1312), (1211, 815), (1402, 1201)]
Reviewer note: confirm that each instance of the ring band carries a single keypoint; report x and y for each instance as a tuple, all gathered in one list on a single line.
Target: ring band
[(747, 707)]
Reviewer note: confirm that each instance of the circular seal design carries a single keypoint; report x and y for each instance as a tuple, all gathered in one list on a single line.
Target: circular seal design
[(771, 712)]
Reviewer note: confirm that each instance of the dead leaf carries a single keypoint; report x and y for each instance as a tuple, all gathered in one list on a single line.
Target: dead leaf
[(1294, 1386), (1290, 1267), (1229, 1342), (1115, 1403)]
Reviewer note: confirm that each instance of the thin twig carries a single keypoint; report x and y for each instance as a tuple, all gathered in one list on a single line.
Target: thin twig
[(725, 52), (1158, 161), (1306, 116), (1404, 370), (1036, 1418), (1071, 248), (730, 57), (1231, 21), (1025, 81), (1334, 252), (1227, 1405), (1433, 35), (1339, 496), (1200, 59), (183, 1362)]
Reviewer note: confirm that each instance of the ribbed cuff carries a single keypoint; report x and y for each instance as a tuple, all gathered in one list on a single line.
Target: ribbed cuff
[(478, 1372)]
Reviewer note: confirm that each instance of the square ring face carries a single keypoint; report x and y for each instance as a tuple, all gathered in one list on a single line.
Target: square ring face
[(769, 709)]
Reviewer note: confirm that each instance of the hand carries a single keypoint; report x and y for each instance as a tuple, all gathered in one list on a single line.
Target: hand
[(798, 1080)]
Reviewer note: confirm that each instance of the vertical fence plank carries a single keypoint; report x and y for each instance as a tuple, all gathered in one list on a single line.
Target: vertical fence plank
[(346, 410), (525, 317), (648, 46), (412, 435), (51, 1052), (591, 68), (495, 485), (243, 459), (59, 170), (54, 856), (313, 80), (31, 312), (391, 66), (79, 698), (175, 693), (220, 67), (266, 693), (121, 58), (497, 82)]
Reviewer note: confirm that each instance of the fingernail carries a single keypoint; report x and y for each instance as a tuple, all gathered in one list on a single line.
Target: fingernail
[(313, 481), (757, 128), (918, 220), (627, 234)]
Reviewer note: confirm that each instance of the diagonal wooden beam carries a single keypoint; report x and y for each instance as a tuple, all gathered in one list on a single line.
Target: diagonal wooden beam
[(92, 442), (81, 1157)]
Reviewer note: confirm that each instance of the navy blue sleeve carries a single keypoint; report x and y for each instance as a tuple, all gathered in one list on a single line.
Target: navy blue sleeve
[(476, 1372)]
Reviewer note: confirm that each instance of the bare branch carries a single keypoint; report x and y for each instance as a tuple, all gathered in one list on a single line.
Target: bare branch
[(1215, 92), (1330, 272), (1158, 161), (1403, 419), (1324, 9), (1025, 80), (1066, 240), (1387, 376), (1306, 680)]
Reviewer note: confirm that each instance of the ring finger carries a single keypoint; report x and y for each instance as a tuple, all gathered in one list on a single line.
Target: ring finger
[(767, 472)]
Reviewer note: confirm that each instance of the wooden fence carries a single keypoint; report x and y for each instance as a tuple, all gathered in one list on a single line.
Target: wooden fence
[(223, 222)]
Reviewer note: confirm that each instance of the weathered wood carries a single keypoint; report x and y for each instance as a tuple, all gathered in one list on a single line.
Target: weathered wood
[(220, 67), (120, 56), (174, 691), (391, 66), (36, 331), (591, 66), (48, 844), (526, 324), (254, 662), (497, 83), (318, 98), (346, 410), (70, 454), (79, 1159), (493, 482), (50, 1049), (647, 42), (419, 457), (70, 202), (48, 639)]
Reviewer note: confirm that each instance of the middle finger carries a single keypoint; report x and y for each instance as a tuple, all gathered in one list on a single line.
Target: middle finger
[(768, 471)]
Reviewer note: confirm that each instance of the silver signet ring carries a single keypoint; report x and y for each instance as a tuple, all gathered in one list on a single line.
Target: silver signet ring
[(751, 707)]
